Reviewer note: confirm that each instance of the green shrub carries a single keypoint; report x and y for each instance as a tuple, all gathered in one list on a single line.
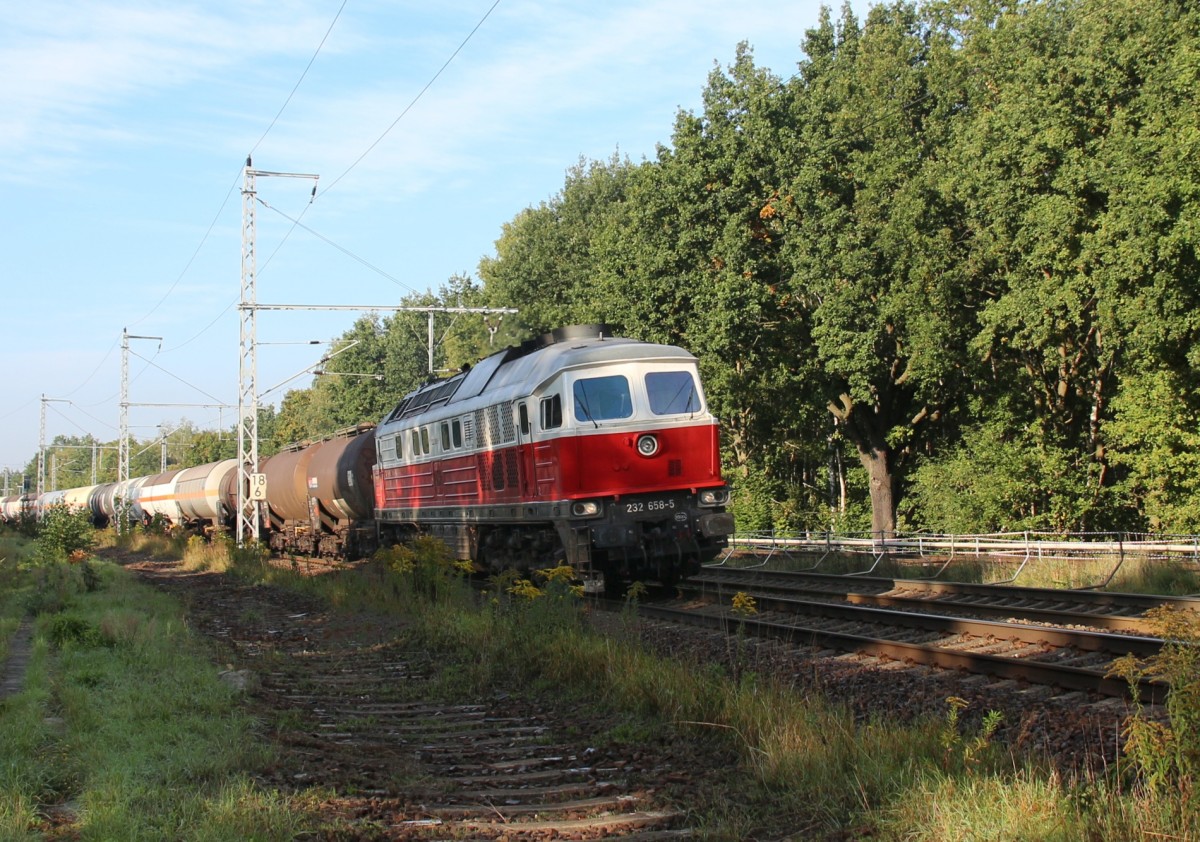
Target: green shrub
[(63, 532), (1166, 755)]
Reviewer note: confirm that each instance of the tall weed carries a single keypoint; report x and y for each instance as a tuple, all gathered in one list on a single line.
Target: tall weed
[(1166, 755)]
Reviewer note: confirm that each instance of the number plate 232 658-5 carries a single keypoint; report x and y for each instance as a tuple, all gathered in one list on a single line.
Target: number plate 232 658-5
[(642, 507)]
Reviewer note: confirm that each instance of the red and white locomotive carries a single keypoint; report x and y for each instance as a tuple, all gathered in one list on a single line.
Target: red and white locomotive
[(577, 447)]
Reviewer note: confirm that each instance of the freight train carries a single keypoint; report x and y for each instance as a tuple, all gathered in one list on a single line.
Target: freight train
[(578, 447)]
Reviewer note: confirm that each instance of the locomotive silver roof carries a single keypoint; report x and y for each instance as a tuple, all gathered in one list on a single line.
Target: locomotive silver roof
[(522, 370)]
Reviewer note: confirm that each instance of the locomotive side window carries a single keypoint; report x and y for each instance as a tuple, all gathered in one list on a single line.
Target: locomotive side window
[(416, 444), (672, 392), (456, 433), (445, 436), (551, 412), (523, 418), (425, 441), (602, 398)]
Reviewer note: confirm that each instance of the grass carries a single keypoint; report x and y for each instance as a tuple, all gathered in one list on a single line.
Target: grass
[(124, 721), (123, 729)]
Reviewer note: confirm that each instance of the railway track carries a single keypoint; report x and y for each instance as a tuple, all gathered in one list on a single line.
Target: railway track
[(357, 722), (1051, 637), (1055, 606)]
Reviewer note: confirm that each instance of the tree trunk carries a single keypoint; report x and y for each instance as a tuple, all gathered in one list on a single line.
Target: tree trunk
[(876, 457), (877, 460)]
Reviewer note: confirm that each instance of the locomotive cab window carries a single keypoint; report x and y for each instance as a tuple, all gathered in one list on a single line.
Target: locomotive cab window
[(523, 418), (602, 398), (551, 412), (672, 392)]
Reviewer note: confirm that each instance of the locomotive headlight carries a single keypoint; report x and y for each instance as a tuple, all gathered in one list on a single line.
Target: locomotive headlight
[(585, 508), (647, 445), (714, 497)]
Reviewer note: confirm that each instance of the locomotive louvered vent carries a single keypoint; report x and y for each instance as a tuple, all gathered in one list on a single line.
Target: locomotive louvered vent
[(481, 427), (497, 471), (426, 397), (494, 436), (507, 427), (675, 468)]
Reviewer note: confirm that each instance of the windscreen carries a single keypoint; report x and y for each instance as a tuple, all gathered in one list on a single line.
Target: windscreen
[(602, 398), (672, 392)]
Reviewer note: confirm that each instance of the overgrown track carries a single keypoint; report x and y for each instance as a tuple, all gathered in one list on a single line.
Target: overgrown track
[(360, 739), (1055, 606), (940, 627)]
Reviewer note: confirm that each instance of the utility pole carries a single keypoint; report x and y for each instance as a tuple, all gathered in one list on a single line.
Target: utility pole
[(123, 443), (251, 485), (41, 466)]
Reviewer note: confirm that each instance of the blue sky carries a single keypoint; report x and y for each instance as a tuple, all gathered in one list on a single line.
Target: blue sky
[(125, 124)]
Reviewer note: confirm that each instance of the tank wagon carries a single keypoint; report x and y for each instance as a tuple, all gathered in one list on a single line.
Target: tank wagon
[(319, 496), (578, 447)]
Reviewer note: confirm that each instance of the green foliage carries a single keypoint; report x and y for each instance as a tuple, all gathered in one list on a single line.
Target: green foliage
[(962, 750), (63, 532), (146, 736), (57, 584), (1166, 755), (1155, 446), (964, 235), (426, 567), (64, 629), (992, 482)]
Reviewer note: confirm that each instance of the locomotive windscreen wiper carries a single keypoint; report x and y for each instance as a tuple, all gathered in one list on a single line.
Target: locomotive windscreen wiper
[(581, 403)]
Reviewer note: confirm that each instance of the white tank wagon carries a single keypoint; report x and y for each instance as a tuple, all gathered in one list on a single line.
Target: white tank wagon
[(125, 496), (198, 491), (158, 497), (79, 499)]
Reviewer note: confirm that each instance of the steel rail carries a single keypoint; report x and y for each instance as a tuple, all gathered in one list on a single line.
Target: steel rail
[(1130, 601), (1059, 675)]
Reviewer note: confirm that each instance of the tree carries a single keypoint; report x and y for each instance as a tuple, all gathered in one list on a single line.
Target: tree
[(546, 262), (1076, 169), (873, 246)]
